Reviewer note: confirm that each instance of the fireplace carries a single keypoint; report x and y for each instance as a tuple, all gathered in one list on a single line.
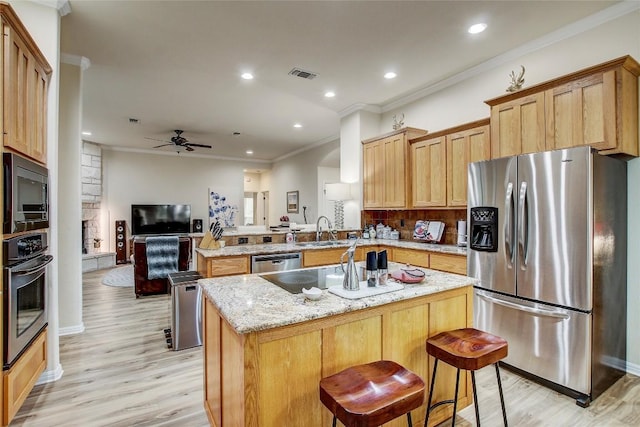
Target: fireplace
[(90, 227)]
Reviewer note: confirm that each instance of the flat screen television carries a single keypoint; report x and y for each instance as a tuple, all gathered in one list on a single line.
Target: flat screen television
[(160, 219)]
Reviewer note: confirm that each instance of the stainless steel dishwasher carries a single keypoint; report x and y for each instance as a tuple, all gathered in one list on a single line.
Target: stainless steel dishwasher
[(276, 262)]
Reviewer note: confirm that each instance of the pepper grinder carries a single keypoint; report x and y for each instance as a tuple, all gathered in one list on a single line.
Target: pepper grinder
[(372, 269), (382, 268)]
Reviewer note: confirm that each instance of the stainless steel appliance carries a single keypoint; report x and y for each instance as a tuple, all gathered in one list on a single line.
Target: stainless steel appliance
[(26, 197), (25, 292), (547, 239), (186, 310), (276, 262), (294, 281)]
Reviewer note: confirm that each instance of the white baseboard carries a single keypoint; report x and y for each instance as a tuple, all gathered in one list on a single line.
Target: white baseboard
[(71, 330), (632, 368), (50, 376)]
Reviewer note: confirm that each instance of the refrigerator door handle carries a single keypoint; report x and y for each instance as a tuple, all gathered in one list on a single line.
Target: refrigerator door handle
[(508, 224), (523, 226), (532, 310)]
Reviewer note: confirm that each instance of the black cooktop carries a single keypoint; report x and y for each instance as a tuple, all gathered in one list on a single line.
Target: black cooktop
[(293, 281)]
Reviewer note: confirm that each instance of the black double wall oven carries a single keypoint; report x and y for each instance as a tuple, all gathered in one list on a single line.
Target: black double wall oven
[(25, 254), (25, 292)]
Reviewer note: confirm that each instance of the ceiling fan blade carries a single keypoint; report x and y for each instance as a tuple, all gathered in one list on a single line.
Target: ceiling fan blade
[(163, 145), (154, 139), (196, 145), (188, 148)]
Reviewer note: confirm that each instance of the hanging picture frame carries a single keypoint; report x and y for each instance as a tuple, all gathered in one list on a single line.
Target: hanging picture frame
[(292, 202)]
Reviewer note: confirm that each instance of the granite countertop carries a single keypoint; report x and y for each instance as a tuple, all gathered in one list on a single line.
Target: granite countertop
[(273, 248), (250, 303)]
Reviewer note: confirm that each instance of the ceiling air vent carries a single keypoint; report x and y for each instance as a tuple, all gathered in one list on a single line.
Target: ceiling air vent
[(303, 74)]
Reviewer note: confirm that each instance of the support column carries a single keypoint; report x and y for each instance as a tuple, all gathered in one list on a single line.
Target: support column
[(359, 125), (69, 197)]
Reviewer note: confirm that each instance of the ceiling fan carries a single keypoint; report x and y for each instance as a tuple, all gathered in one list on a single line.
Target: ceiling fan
[(179, 141)]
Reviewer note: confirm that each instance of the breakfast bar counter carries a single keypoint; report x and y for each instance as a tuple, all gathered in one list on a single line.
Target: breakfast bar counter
[(265, 349)]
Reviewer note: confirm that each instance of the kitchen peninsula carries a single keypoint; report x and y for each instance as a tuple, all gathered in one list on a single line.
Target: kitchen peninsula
[(266, 349)]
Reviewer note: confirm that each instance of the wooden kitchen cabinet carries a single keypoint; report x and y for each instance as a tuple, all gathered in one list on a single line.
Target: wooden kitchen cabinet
[(448, 262), (439, 164), (385, 182), (25, 82), (471, 143), (409, 256), (596, 106), (19, 380), (223, 266), (517, 126), (252, 379), (428, 172), (318, 257)]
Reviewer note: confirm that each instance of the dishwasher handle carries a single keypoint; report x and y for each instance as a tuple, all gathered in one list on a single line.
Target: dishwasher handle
[(275, 258)]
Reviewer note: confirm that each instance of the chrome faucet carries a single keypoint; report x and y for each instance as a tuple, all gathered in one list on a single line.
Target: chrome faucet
[(319, 229)]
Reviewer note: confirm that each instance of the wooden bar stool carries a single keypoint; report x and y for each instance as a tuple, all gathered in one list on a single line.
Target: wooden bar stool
[(372, 394), (468, 349)]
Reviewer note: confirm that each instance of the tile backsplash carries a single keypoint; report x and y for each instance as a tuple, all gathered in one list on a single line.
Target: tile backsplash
[(404, 221)]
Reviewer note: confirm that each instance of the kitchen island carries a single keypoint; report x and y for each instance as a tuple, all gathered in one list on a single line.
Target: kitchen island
[(265, 349)]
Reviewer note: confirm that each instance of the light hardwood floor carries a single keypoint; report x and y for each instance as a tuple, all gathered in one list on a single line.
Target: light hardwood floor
[(119, 372)]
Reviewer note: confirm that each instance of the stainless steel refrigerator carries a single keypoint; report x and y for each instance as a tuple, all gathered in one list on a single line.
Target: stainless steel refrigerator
[(547, 239)]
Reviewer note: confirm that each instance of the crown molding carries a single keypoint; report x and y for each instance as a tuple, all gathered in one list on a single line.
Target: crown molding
[(79, 61), (63, 6), (181, 154), (578, 27), (359, 107), (308, 147)]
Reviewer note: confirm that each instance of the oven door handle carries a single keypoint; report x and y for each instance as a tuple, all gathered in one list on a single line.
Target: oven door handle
[(47, 259)]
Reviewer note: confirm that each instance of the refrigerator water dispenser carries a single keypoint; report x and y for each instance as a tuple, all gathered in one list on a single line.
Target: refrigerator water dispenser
[(484, 229)]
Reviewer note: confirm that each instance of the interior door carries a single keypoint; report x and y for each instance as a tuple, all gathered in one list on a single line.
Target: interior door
[(554, 243), (491, 184)]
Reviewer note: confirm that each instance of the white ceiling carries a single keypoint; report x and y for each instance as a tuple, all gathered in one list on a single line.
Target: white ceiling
[(177, 64)]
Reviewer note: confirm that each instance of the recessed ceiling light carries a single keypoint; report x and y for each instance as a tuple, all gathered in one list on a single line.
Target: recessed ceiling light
[(297, 125), (330, 94), (249, 152), (477, 28), (85, 133), (390, 75), (247, 76)]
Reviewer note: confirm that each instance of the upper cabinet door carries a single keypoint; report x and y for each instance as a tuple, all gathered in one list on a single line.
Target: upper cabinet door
[(583, 112), (464, 147), (394, 150), (16, 91), (517, 126), (428, 173), (373, 169), (25, 83)]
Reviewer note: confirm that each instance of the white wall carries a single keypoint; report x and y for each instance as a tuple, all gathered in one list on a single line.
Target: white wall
[(464, 102), (136, 178), (298, 173), (326, 175)]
